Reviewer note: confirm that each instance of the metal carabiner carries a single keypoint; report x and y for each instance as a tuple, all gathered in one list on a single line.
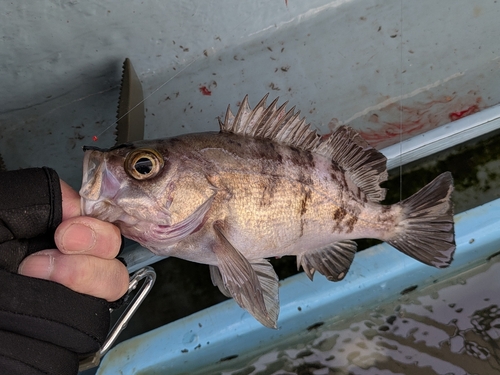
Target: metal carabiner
[(147, 273)]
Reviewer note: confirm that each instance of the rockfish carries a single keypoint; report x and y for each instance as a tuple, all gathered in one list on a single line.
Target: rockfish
[(265, 185)]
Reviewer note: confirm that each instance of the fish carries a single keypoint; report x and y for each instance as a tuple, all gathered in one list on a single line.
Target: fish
[(266, 185)]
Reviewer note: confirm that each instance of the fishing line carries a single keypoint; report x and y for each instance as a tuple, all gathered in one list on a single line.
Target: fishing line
[(74, 100), (96, 137), (401, 103)]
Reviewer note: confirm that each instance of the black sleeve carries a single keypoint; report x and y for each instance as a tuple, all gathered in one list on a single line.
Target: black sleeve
[(45, 328), (30, 211)]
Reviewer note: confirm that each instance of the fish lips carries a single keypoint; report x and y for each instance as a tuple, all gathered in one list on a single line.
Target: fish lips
[(98, 182)]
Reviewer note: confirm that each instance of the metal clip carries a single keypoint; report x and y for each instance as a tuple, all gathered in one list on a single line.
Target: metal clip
[(147, 273)]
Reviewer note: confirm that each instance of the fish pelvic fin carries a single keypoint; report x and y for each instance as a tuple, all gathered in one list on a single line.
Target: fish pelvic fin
[(426, 232), (332, 261), (254, 286), (364, 165)]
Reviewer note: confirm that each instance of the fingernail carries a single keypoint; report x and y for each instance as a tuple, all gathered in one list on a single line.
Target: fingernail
[(78, 238), (39, 265)]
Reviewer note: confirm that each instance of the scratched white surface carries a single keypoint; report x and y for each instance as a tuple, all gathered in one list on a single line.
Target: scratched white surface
[(360, 62)]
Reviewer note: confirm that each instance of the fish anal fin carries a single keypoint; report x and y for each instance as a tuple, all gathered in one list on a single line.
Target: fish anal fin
[(217, 280), (253, 286), (269, 283), (332, 261)]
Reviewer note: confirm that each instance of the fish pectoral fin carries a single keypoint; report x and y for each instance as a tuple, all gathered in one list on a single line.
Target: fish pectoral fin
[(254, 286), (332, 261)]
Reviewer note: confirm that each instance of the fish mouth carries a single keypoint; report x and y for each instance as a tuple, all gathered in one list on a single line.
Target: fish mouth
[(98, 183)]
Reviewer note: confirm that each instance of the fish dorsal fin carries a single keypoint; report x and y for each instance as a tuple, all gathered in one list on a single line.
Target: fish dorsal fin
[(272, 122), (364, 165)]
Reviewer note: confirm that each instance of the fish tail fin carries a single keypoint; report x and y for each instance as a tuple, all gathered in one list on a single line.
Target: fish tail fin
[(426, 231)]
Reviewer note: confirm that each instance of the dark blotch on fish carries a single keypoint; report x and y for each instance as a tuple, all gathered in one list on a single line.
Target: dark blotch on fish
[(275, 154), (350, 223), (303, 203), (338, 215), (268, 191)]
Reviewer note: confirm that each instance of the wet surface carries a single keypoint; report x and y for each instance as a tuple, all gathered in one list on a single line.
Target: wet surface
[(449, 328)]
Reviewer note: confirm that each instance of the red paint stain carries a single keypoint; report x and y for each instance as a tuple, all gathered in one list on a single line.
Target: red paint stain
[(392, 131), (394, 122), (205, 91), (414, 120), (466, 112), (95, 138)]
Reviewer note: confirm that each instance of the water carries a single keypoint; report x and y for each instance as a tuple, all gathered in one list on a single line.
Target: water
[(452, 328)]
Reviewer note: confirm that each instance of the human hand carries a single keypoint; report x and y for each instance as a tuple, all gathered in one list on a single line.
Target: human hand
[(84, 260)]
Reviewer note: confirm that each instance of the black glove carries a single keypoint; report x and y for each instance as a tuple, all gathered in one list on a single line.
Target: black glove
[(45, 328)]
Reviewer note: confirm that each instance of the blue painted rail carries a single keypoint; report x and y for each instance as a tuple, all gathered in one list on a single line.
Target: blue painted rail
[(378, 274)]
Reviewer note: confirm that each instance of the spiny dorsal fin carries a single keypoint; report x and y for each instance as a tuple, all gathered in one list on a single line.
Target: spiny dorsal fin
[(271, 123), (364, 165)]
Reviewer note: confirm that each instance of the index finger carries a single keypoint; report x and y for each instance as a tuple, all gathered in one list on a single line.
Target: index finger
[(70, 201)]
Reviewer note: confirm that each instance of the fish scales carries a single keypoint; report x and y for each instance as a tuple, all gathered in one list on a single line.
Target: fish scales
[(268, 193), (266, 185)]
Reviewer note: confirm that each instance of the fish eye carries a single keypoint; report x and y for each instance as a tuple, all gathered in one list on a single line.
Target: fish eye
[(143, 164)]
